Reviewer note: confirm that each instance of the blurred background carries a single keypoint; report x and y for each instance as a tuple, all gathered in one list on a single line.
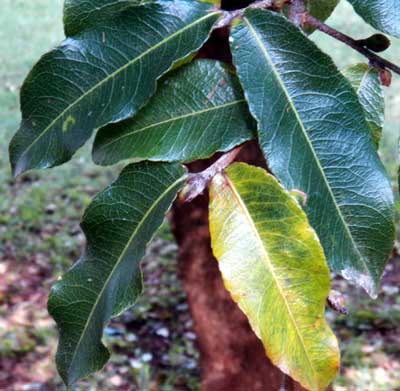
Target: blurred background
[(154, 347)]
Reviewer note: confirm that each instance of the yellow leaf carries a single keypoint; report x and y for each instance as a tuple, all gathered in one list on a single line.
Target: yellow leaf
[(274, 267)]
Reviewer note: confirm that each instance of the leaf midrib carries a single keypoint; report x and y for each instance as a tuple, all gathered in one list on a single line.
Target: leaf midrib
[(169, 120), (112, 75), (293, 107), (118, 262), (269, 266)]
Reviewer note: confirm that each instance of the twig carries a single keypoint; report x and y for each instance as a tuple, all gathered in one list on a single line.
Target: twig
[(296, 12), (229, 16), (199, 181), (374, 59), (336, 302)]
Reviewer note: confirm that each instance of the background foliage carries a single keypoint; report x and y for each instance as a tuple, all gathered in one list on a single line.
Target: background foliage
[(41, 212)]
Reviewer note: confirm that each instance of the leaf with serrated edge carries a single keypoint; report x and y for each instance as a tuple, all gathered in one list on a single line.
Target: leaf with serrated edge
[(198, 110), (366, 82), (384, 15), (274, 267), (104, 74), (107, 278), (313, 133)]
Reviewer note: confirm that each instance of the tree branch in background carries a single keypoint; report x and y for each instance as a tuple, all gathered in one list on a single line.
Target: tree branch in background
[(375, 60)]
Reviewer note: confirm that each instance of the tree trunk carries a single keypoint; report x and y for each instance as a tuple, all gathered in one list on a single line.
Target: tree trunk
[(232, 357)]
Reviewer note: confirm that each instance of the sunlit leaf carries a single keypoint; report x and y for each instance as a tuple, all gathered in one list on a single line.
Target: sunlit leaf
[(274, 267), (314, 135), (107, 278), (198, 110)]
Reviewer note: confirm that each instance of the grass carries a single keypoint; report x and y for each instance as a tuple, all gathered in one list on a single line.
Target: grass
[(39, 215)]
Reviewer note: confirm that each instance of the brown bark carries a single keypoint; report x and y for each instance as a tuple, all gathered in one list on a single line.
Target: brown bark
[(232, 357)]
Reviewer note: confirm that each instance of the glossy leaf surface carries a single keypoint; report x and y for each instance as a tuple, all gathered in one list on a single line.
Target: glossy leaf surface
[(104, 74), (273, 265), (198, 110), (107, 278), (314, 135), (384, 15), (366, 82)]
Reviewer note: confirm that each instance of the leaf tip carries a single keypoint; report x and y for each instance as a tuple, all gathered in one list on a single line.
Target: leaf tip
[(366, 281)]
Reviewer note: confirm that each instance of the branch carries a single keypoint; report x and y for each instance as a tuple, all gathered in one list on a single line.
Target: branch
[(199, 181), (229, 16), (374, 59), (296, 12)]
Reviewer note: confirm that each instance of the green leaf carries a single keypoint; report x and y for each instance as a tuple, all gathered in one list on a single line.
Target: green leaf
[(314, 135), (198, 110), (273, 265), (321, 9), (365, 80), (79, 14), (107, 278), (384, 15), (104, 74)]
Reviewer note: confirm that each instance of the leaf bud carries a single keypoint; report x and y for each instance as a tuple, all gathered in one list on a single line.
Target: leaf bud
[(376, 43)]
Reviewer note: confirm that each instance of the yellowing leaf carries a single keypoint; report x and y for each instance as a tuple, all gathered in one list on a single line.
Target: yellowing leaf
[(273, 265)]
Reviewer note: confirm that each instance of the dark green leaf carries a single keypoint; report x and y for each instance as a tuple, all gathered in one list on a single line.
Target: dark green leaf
[(105, 74), (107, 279), (198, 110), (365, 80), (384, 15), (314, 135), (79, 15)]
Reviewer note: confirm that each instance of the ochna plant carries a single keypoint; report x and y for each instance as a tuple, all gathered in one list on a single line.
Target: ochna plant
[(135, 71)]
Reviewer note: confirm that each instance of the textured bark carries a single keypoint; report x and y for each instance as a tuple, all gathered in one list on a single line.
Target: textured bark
[(232, 357)]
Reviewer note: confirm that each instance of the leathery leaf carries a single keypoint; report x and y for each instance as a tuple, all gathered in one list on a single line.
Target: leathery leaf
[(79, 14), (384, 15), (365, 80), (107, 280), (199, 109), (313, 132), (104, 73), (274, 267)]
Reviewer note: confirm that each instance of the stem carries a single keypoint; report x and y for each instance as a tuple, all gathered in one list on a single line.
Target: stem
[(296, 12), (199, 181), (229, 16), (374, 59)]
